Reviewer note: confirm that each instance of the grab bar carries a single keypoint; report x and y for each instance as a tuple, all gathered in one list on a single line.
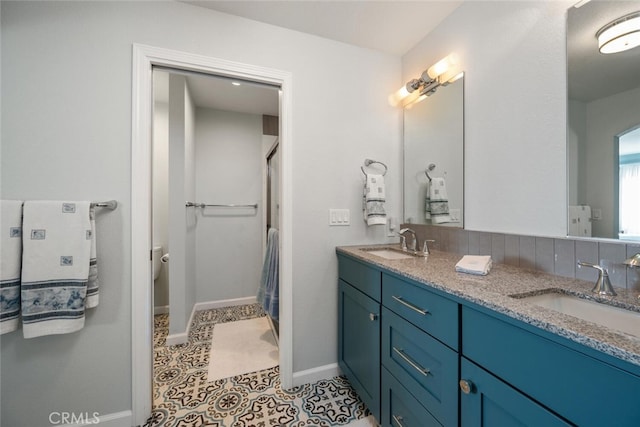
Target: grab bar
[(206, 205)]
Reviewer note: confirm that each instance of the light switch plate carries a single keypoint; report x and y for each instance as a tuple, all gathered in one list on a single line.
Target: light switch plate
[(339, 217)]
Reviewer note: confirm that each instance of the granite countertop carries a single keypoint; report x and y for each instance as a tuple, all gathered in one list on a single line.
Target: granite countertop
[(493, 291)]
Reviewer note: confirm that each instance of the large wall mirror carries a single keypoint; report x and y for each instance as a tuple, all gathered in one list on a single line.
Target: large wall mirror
[(603, 135), (434, 157)]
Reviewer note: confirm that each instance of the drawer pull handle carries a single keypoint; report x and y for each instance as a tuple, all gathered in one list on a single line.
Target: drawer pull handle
[(373, 317), (398, 420), (411, 306), (401, 353)]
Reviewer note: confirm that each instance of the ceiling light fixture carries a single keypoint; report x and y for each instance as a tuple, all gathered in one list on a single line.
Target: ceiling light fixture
[(235, 83), (439, 74), (620, 35)]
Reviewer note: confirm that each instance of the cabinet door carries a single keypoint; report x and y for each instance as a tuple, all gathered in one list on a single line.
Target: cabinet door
[(487, 401), (359, 344)]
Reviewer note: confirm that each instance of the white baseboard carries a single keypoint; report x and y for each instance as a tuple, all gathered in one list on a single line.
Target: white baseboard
[(116, 419), (183, 337), (160, 309), (316, 374), (176, 339), (208, 305)]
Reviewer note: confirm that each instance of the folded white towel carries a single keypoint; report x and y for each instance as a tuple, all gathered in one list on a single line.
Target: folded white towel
[(55, 266), (10, 258), (474, 264), (374, 198), (438, 202), (93, 283)]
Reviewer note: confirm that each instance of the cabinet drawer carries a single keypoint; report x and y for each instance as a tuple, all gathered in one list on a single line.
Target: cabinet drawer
[(430, 312), (361, 277), (582, 389), (400, 408), (427, 368)]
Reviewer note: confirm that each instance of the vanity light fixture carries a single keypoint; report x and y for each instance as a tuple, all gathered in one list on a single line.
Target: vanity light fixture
[(439, 74), (620, 35)]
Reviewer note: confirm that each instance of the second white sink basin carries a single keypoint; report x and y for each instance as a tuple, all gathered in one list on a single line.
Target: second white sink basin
[(606, 315), (389, 254)]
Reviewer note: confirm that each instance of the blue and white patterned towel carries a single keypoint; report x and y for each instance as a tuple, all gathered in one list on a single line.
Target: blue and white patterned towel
[(92, 284), (10, 257), (55, 266), (373, 200), (268, 291)]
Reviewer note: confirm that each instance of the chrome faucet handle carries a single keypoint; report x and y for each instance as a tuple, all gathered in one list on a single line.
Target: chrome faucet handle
[(403, 242), (425, 246), (603, 284)]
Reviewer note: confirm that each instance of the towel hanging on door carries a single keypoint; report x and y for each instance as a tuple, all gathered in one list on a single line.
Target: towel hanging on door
[(268, 291)]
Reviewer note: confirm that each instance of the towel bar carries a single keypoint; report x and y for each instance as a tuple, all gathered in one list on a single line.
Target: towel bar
[(109, 204), (368, 162), (205, 205), (429, 168)]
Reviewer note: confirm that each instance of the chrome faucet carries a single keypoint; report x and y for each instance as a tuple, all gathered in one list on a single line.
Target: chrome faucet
[(603, 284), (414, 242)]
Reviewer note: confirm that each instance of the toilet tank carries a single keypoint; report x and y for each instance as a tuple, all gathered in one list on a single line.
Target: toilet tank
[(155, 256)]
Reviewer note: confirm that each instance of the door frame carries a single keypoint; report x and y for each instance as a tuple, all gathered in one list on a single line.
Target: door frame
[(144, 58)]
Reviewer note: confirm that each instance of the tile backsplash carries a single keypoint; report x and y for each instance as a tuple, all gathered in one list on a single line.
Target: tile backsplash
[(557, 256)]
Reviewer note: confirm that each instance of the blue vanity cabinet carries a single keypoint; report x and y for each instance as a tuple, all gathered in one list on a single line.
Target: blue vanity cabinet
[(420, 336), (574, 383), (359, 329)]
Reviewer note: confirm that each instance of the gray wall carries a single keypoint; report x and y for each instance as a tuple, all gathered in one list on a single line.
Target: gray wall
[(66, 134), (160, 184), (182, 221), (228, 170)]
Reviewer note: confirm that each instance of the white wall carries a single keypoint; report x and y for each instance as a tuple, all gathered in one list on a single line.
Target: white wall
[(228, 171), (513, 55), (66, 134), (161, 197)]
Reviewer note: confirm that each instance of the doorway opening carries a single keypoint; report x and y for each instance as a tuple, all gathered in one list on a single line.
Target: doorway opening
[(145, 58)]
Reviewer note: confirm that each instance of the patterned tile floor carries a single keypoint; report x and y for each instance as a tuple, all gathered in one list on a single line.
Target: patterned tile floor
[(184, 398)]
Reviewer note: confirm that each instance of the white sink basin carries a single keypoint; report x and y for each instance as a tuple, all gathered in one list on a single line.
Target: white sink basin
[(606, 315), (389, 254)]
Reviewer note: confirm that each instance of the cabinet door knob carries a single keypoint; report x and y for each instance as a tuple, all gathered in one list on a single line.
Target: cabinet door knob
[(467, 386), (373, 317)]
